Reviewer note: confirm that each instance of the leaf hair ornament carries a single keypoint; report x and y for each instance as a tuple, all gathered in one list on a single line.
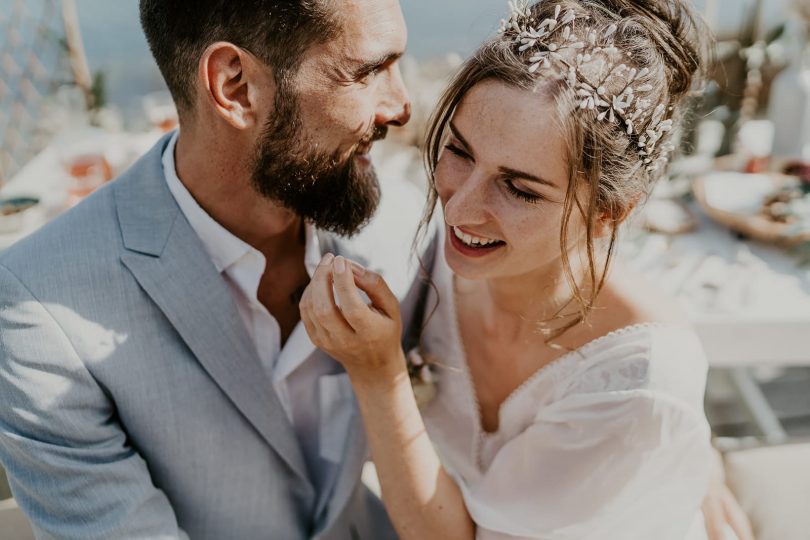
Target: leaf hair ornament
[(557, 42)]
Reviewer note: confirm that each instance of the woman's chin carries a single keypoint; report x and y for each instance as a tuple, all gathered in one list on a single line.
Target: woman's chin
[(465, 267)]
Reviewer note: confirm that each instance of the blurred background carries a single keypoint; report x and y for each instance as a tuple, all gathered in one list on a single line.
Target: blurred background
[(728, 233)]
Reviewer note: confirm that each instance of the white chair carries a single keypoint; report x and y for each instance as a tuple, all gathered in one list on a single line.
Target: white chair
[(13, 523)]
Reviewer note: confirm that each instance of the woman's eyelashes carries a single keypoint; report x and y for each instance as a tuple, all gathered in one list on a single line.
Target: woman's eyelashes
[(508, 182), (458, 151), (519, 193)]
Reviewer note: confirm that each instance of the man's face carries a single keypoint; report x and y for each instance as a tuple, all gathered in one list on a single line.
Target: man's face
[(313, 155)]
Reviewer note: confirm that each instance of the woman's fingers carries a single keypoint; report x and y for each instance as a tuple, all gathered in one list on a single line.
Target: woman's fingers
[(354, 309), (314, 331), (378, 292), (318, 304)]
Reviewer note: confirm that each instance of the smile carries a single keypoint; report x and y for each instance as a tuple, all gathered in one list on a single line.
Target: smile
[(472, 245), (472, 241)]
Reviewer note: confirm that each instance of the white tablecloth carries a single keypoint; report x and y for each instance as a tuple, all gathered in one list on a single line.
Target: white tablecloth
[(750, 302)]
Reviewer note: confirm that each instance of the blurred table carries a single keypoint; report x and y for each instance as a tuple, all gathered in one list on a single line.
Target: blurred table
[(749, 302), (45, 178)]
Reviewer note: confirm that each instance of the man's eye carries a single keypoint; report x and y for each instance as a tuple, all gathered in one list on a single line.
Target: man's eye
[(369, 74)]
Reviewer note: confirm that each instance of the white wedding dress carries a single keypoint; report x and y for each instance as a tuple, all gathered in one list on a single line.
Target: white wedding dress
[(607, 442)]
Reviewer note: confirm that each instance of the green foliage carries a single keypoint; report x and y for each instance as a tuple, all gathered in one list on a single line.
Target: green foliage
[(99, 89)]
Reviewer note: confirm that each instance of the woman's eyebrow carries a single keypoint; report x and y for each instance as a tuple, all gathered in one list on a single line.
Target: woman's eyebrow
[(525, 176), (508, 171), (457, 134)]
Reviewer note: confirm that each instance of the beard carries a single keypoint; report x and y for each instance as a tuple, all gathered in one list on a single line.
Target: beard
[(335, 195)]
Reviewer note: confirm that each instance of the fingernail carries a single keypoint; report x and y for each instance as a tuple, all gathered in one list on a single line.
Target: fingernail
[(327, 259), (358, 268), (340, 265)]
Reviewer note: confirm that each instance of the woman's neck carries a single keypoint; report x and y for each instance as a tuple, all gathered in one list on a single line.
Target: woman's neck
[(513, 307)]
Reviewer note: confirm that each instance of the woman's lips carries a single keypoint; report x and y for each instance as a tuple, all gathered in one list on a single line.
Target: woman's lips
[(363, 153), (472, 251), (363, 158)]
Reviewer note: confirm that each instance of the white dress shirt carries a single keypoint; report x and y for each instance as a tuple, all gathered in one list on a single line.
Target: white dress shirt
[(321, 424)]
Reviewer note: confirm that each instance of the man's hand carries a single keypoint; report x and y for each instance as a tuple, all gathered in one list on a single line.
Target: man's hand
[(722, 512)]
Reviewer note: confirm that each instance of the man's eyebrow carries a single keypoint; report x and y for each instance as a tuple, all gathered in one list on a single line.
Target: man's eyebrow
[(514, 173), (362, 67)]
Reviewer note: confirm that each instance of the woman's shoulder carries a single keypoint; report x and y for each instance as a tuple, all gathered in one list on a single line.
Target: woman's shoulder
[(657, 359), (630, 298)]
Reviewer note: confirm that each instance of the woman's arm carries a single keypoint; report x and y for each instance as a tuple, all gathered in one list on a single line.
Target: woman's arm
[(421, 498)]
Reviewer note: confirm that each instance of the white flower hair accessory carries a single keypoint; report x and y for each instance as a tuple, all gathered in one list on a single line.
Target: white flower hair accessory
[(556, 41), (423, 378)]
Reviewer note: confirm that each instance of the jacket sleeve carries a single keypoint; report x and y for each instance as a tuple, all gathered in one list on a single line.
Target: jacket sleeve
[(68, 460)]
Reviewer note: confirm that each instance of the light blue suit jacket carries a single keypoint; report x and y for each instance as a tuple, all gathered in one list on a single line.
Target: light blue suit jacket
[(132, 401)]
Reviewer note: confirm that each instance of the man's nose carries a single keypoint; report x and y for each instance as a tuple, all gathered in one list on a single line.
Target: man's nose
[(395, 108)]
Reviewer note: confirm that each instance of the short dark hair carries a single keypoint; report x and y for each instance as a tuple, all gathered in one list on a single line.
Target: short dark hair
[(276, 31)]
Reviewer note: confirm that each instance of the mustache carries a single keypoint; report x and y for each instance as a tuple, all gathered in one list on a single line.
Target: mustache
[(376, 133)]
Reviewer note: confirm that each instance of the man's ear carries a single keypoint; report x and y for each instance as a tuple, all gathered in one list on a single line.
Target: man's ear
[(234, 84)]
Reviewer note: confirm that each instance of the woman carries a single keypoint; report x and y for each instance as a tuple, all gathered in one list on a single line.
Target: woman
[(569, 398)]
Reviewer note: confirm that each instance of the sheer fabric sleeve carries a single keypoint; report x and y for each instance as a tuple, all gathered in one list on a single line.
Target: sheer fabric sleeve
[(630, 465)]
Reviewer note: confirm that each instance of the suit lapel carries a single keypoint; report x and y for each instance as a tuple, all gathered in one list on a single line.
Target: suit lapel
[(171, 265), (354, 457)]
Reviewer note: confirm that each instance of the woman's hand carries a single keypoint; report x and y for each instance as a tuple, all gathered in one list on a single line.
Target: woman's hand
[(364, 338), (422, 500)]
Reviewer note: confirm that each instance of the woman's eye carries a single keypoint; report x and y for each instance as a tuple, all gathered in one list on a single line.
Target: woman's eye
[(520, 194), (457, 151)]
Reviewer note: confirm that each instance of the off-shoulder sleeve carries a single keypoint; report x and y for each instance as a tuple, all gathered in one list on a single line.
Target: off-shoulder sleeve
[(630, 465)]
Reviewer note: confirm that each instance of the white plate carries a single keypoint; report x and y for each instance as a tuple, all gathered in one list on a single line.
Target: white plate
[(738, 193)]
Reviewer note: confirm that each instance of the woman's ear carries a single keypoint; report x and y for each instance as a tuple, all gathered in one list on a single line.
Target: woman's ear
[(613, 217), (235, 83)]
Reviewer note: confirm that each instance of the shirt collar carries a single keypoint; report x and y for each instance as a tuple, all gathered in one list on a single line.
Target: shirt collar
[(222, 246)]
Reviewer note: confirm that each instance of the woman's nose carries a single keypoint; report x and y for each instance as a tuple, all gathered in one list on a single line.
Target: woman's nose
[(467, 204)]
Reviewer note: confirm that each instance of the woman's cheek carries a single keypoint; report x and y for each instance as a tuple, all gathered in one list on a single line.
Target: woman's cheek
[(443, 180), (453, 171)]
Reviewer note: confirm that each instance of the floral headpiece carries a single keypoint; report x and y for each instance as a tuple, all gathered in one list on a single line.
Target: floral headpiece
[(556, 41)]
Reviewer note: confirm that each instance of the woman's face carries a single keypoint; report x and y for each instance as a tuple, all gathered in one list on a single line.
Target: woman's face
[(502, 179)]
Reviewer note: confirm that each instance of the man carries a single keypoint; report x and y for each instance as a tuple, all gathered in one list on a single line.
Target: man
[(155, 379)]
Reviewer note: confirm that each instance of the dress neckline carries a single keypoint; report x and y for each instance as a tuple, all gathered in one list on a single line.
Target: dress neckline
[(543, 371)]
